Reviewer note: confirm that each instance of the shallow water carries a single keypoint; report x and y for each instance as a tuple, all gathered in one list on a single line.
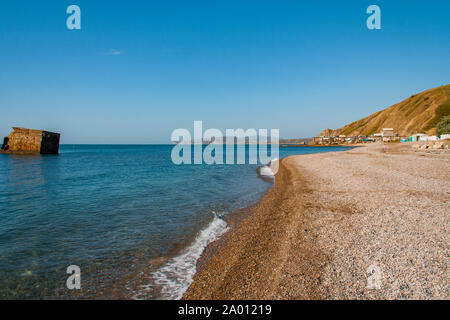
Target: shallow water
[(133, 222)]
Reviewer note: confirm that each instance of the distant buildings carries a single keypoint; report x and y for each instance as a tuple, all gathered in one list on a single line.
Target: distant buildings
[(418, 137), (334, 140), (386, 135)]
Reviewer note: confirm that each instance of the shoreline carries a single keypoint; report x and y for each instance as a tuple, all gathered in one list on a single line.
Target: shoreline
[(314, 234), (244, 226)]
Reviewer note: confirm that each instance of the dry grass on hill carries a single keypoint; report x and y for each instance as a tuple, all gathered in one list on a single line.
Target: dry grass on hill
[(420, 113)]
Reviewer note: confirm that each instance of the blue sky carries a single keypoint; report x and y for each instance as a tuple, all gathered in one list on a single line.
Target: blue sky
[(139, 69)]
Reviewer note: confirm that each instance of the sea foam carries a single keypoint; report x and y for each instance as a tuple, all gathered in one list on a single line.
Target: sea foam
[(268, 170), (176, 276), (265, 171)]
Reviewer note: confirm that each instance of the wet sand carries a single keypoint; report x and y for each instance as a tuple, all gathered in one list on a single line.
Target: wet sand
[(327, 219)]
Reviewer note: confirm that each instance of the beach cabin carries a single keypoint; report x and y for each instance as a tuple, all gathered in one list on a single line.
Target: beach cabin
[(417, 137), (376, 137), (387, 134)]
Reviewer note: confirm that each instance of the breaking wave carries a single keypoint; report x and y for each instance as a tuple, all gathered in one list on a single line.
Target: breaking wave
[(268, 172), (176, 276)]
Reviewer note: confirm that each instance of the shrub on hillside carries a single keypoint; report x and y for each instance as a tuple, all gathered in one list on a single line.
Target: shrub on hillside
[(443, 126)]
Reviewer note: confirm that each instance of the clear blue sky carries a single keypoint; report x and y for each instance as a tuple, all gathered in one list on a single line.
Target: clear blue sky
[(139, 69)]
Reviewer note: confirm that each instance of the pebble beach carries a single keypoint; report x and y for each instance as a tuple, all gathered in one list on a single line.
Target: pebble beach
[(329, 221)]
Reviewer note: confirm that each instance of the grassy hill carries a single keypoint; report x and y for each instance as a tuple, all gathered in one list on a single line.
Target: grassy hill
[(418, 114)]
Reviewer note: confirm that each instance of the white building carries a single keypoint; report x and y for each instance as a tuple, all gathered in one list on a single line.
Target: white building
[(418, 137), (387, 132)]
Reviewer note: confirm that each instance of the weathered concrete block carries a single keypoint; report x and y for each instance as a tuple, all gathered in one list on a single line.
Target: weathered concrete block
[(23, 140)]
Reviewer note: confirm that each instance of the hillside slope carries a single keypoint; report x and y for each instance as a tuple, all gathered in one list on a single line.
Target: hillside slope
[(418, 114)]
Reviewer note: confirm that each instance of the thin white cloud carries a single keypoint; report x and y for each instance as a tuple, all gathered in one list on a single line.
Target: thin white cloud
[(115, 52)]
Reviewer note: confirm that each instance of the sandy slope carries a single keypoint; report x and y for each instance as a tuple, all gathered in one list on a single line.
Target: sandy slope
[(419, 113)]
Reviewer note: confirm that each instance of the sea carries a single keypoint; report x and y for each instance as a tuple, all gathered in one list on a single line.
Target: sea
[(131, 221)]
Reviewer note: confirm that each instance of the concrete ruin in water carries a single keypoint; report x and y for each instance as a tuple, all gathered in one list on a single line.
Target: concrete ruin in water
[(24, 141)]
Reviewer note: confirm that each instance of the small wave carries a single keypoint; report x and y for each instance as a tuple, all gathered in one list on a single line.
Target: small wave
[(268, 170), (177, 275), (265, 171)]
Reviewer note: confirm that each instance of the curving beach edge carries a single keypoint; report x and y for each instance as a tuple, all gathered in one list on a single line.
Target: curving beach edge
[(329, 221)]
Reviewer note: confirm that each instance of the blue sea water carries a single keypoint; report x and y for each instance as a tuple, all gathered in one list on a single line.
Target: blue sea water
[(133, 222)]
